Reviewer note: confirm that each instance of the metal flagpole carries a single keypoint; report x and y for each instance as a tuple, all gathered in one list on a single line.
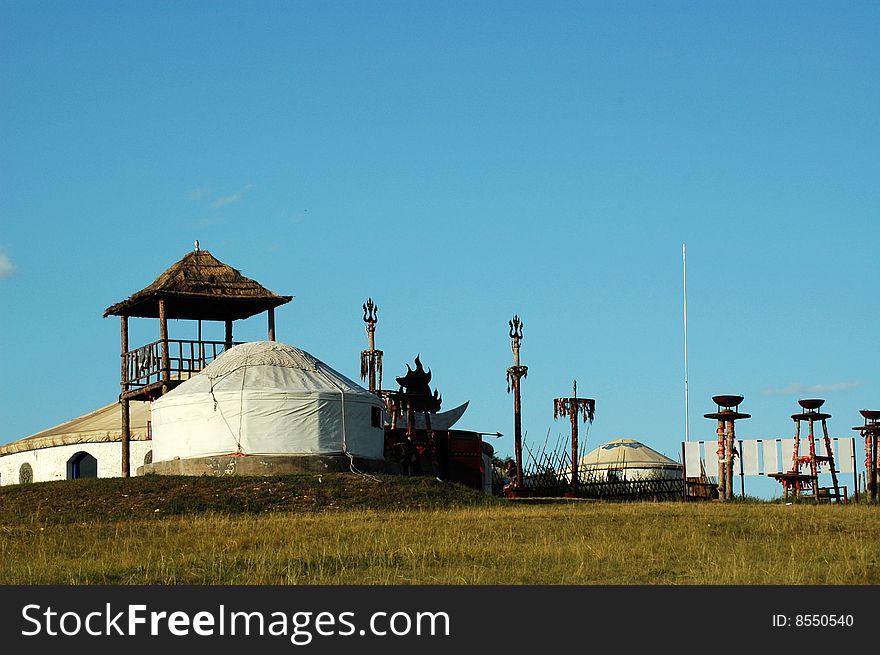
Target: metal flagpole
[(686, 414)]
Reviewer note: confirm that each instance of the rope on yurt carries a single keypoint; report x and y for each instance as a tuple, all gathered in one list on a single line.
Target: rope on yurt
[(345, 451), (241, 406), (217, 408)]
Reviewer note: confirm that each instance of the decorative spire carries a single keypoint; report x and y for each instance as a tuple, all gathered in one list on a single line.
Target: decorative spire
[(371, 359)]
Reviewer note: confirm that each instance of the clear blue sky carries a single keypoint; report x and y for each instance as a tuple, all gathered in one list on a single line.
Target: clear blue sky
[(459, 162)]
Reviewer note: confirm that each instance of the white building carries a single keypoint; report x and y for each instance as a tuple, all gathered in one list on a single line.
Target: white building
[(264, 398), (86, 447)]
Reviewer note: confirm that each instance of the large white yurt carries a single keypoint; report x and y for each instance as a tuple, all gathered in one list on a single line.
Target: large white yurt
[(267, 398), (627, 459)]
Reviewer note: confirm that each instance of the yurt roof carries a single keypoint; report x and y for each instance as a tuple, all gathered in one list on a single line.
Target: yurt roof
[(200, 286), (267, 365), (626, 453), (104, 424)]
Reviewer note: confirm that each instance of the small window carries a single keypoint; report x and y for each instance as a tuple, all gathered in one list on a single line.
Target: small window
[(376, 417), (148, 458), (25, 474)]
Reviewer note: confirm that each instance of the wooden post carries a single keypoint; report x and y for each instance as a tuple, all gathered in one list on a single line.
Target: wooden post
[(574, 445), (163, 337), (126, 438), (722, 469), (271, 324), (228, 340), (829, 452), (684, 479), (514, 377), (814, 472), (126, 420), (517, 426), (731, 439), (201, 348)]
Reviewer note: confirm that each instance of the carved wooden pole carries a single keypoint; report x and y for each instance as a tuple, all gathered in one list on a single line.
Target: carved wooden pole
[(722, 458), (271, 324), (514, 374), (572, 407), (875, 465), (728, 476), (870, 431), (371, 359), (727, 412)]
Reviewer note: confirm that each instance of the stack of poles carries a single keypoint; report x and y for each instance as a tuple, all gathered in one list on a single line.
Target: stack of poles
[(872, 463), (810, 415), (726, 438)]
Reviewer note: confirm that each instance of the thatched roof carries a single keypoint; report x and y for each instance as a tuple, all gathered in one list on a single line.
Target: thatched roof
[(101, 425), (200, 286)]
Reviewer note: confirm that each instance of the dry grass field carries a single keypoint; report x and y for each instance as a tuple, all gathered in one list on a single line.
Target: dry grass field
[(413, 531)]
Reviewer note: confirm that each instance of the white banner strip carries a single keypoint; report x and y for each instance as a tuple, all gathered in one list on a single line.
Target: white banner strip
[(749, 452), (766, 456), (692, 464), (844, 461), (786, 454), (710, 457), (771, 456)]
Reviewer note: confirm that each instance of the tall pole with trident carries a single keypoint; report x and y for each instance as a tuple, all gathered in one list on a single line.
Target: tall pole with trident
[(573, 406), (514, 374), (371, 359)]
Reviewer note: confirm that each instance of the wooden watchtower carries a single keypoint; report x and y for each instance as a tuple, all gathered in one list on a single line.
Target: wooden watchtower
[(200, 288)]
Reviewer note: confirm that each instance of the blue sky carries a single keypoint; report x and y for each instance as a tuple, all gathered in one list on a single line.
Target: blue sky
[(459, 162)]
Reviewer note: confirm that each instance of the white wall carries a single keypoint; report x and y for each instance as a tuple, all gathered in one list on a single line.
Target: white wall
[(631, 474), (51, 463)]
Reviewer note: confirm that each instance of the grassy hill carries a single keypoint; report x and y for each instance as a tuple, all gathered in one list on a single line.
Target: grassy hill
[(348, 529), (158, 496)]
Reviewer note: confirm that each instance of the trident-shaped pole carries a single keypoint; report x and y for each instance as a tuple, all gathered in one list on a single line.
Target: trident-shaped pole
[(514, 374), (371, 359), (572, 407)]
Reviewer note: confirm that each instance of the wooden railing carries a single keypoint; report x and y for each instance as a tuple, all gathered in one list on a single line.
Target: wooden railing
[(143, 366)]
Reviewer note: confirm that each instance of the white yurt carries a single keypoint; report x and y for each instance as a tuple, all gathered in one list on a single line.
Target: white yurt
[(267, 398), (627, 459)]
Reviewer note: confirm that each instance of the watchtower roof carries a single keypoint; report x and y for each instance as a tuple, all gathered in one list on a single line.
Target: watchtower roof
[(200, 286)]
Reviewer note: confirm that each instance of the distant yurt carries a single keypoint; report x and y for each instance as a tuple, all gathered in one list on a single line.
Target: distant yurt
[(627, 459), (85, 447), (266, 399)]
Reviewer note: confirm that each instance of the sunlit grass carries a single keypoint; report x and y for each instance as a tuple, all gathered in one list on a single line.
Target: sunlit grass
[(571, 543)]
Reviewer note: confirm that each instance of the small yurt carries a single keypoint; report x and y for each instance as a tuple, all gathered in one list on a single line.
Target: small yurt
[(268, 399), (627, 459)]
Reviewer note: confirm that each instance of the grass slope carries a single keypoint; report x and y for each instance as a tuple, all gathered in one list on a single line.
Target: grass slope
[(345, 529), (159, 496)]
